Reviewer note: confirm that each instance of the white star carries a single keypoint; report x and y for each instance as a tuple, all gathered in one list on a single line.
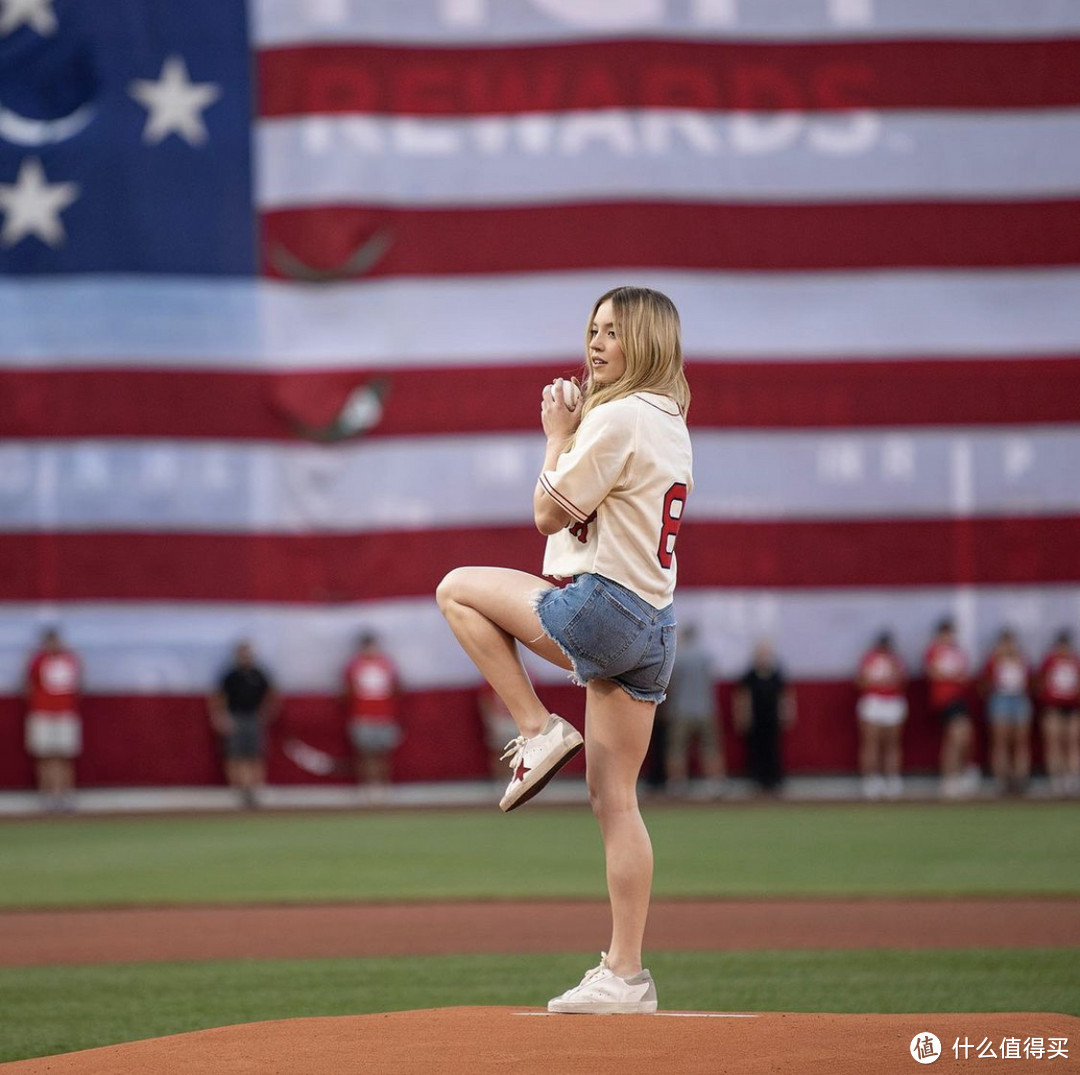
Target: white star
[(33, 205), (38, 14), (174, 103)]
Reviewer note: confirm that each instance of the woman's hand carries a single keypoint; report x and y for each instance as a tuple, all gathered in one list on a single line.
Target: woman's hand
[(558, 420), (559, 423)]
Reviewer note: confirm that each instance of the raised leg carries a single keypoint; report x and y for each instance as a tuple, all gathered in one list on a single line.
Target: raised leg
[(490, 610)]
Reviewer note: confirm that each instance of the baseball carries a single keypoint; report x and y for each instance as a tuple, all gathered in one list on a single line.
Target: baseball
[(571, 394)]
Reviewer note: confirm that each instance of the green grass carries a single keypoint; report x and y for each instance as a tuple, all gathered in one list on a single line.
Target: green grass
[(782, 850), (50, 1010)]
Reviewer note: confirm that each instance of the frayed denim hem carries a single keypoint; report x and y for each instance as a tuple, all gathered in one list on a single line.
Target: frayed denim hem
[(574, 674), (639, 696), (537, 607)]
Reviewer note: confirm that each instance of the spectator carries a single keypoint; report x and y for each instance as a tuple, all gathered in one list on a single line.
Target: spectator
[(763, 706), (882, 710), (690, 715), (1008, 708), (240, 710), (372, 695), (1059, 691), (949, 675), (53, 725)]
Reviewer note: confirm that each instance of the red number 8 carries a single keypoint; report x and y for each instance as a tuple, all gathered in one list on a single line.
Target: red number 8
[(676, 495)]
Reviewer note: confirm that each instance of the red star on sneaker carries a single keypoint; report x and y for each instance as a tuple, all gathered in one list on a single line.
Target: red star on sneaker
[(520, 771)]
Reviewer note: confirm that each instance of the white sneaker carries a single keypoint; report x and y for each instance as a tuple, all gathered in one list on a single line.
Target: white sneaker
[(601, 992), (534, 761), (873, 787)]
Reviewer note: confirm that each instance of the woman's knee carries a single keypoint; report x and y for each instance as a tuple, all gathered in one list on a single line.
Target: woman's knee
[(608, 801), (450, 588)]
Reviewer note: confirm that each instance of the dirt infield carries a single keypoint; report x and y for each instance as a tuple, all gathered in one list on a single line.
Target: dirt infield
[(29, 938), (486, 1041), (478, 1041)]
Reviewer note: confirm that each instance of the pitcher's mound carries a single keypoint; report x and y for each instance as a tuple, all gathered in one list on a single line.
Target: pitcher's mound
[(486, 1041)]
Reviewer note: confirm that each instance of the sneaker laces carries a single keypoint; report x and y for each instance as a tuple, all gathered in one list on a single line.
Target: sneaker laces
[(515, 750), (590, 975)]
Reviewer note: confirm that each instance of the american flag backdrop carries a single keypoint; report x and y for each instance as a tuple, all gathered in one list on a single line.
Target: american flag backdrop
[(280, 284)]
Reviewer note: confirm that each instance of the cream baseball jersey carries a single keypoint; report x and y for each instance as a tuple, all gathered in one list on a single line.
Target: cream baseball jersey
[(624, 484)]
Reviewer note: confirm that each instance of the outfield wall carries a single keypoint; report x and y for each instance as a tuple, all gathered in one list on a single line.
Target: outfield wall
[(152, 740)]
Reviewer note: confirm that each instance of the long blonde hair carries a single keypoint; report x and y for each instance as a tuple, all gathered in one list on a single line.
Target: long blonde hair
[(647, 327)]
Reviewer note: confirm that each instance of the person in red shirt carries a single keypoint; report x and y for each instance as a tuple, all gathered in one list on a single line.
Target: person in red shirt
[(1004, 681), (949, 673), (372, 700), (53, 726), (882, 710), (1059, 692)]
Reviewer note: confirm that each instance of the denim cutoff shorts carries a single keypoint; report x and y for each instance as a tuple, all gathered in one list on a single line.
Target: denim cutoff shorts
[(1009, 709), (608, 632)]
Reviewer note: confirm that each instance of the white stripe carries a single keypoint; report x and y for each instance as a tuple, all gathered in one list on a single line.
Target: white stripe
[(670, 1015), (139, 647), (446, 22), (492, 320), (414, 483), (707, 1015), (575, 156)]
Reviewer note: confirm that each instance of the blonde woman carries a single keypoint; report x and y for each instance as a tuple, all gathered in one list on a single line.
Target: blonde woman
[(610, 498)]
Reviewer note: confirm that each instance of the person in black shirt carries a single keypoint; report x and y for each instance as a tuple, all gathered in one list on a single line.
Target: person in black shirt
[(244, 703), (763, 705)]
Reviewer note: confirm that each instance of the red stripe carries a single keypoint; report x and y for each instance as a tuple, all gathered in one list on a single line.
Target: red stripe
[(322, 240), (741, 76), (740, 394), (151, 740), (363, 567), (567, 505)]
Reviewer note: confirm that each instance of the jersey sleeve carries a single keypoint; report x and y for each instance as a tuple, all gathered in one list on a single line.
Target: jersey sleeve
[(586, 474)]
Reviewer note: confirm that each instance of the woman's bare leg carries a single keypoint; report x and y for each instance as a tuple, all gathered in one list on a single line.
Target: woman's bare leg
[(1053, 728), (1021, 753), (999, 753), (490, 610), (892, 750), (1072, 751), (617, 731)]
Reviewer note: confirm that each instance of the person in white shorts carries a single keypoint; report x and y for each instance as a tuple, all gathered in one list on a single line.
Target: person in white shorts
[(53, 725), (882, 709), (610, 497)]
